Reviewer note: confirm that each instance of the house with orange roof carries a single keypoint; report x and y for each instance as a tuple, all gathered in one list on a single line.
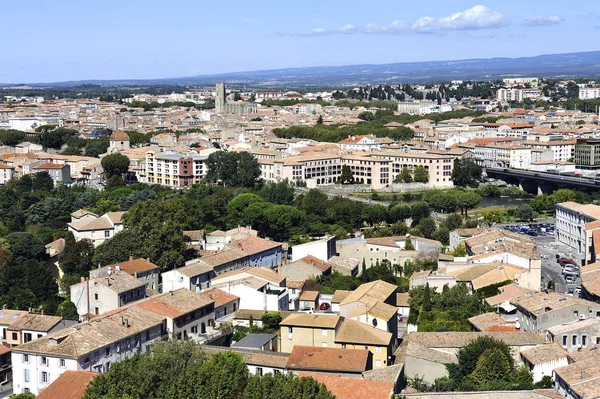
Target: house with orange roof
[(366, 142), (6, 173)]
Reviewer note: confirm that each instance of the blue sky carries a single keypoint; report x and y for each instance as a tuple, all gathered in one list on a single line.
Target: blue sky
[(46, 41)]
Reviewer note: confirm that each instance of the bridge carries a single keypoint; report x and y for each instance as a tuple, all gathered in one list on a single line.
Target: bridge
[(543, 182)]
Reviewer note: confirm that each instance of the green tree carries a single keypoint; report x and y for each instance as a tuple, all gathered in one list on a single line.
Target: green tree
[(493, 365), (41, 181), (405, 176), (467, 200), (281, 193), (399, 212), (408, 244), (11, 137), (315, 202), (427, 226), (346, 177), (421, 174), (492, 215), (320, 120), (232, 169), (420, 210), (366, 116), (524, 212), (115, 165), (465, 172), (271, 320)]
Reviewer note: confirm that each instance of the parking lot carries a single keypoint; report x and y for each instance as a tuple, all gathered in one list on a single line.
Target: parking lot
[(543, 235)]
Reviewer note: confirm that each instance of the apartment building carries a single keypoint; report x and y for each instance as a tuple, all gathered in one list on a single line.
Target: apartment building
[(587, 153), (140, 268), (575, 229), (589, 93), (106, 290), (97, 344), (575, 335), (60, 174), (538, 311), (503, 156), (309, 330), (562, 151), (516, 95), (174, 170)]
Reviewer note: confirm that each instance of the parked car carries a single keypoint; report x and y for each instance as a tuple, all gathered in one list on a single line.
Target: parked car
[(324, 306), (308, 310), (570, 291), (562, 262)]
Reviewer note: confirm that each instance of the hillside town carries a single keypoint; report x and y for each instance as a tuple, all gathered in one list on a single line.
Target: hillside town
[(408, 241)]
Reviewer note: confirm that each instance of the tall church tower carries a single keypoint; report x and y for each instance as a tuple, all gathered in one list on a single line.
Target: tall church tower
[(220, 98)]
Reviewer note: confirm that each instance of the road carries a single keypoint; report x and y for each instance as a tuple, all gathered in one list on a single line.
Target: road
[(550, 268)]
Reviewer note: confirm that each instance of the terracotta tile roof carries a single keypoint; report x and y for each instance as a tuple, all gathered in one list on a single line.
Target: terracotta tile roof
[(356, 139), (378, 309), (35, 322), (4, 349), (70, 385), (49, 166), (590, 279), (244, 314), (371, 292), (310, 358), (313, 262), (252, 357), (352, 388), (135, 266), (359, 333), (176, 303), (295, 284), (402, 299), (315, 320), (484, 321), (309, 296), (582, 377), (219, 296), (460, 339), (253, 245), (587, 209), (544, 353), (507, 293), (386, 241), (339, 296), (262, 273), (196, 267), (539, 303), (418, 351)]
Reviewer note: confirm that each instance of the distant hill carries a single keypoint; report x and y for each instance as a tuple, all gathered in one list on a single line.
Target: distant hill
[(585, 64)]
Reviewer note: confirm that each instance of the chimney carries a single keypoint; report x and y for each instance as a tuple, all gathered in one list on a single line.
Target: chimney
[(583, 375), (171, 293), (42, 311), (107, 281), (130, 258), (82, 279), (122, 321), (117, 267)]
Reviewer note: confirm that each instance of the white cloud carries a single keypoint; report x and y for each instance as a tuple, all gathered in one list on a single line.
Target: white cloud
[(475, 18), (541, 20)]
